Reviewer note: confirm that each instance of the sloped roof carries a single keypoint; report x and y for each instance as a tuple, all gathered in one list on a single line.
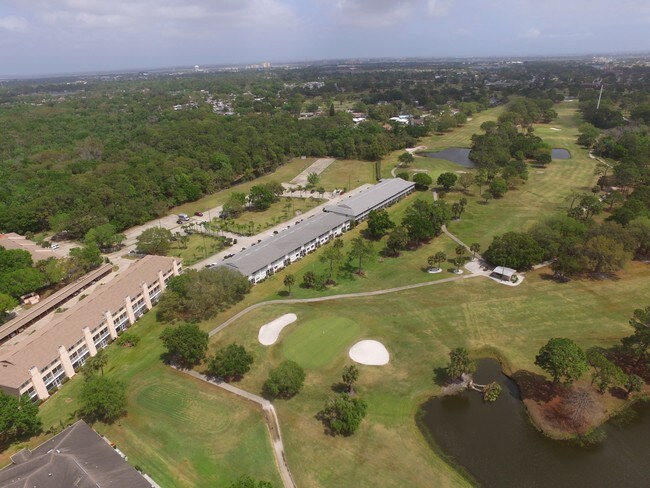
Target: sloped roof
[(270, 250), (370, 198), (77, 457), (41, 346)]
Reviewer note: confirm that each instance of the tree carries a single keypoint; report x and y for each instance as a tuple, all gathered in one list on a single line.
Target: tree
[(332, 112), (424, 220), (230, 363), (104, 237), (285, 381), (405, 159), (481, 178), (261, 197), (248, 482), (333, 255), (18, 418), (474, 247), (379, 223), (95, 363), (422, 181), (343, 414), (7, 303), (199, 295), (438, 258), (350, 376), (562, 359), (186, 344), (460, 256), (639, 342), (487, 196), (603, 254), (516, 250), (447, 180), (397, 240), (633, 383), (498, 187), (156, 240), (466, 180), (309, 279), (605, 372), (361, 250), (403, 175), (459, 363), (289, 281), (312, 179), (102, 399), (234, 205)]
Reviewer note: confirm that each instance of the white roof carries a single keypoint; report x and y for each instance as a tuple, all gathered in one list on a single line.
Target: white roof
[(503, 271)]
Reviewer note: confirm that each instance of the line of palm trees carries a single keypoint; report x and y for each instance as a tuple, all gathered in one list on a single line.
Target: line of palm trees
[(434, 261)]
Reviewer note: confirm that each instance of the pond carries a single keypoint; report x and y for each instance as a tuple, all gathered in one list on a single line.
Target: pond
[(560, 154), (458, 155), (497, 445)]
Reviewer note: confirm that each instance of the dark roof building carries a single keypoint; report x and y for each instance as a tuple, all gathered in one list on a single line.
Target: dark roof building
[(76, 457)]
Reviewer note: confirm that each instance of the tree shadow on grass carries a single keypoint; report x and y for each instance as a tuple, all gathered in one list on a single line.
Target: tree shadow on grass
[(339, 387), (440, 376), (283, 293)]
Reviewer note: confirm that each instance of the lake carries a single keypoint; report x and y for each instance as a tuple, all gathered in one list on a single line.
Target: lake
[(499, 447), (458, 155)]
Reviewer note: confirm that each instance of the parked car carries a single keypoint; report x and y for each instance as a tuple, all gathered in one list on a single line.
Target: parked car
[(198, 214), (228, 256), (179, 221), (54, 246)]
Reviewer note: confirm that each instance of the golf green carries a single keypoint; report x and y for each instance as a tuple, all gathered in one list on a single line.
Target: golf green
[(316, 343)]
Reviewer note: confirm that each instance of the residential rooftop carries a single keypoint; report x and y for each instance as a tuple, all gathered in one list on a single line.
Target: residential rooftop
[(76, 457), (37, 347), (355, 206)]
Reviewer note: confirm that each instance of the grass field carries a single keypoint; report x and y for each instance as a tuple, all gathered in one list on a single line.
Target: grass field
[(418, 327), (181, 431), (198, 247), (347, 174)]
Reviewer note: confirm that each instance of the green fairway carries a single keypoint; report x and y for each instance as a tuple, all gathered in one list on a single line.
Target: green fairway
[(419, 327), (315, 343), (347, 174), (181, 431)]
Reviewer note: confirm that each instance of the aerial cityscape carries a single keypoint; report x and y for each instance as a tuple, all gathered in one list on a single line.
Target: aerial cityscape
[(280, 244)]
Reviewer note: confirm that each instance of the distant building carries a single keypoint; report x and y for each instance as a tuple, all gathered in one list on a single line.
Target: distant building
[(76, 457), (16, 241), (38, 362), (275, 253)]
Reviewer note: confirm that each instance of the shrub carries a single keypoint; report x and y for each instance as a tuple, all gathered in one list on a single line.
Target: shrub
[(285, 381)]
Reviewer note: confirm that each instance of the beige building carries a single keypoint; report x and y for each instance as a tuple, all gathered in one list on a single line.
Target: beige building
[(37, 361)]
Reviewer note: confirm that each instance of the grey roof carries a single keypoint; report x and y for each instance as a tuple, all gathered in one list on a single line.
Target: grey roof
[(502, 270), (77, 457), (370, 198), (269, 250)]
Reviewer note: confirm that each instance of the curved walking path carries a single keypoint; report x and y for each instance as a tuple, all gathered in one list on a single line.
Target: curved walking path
[(335, 297), (270, 417)]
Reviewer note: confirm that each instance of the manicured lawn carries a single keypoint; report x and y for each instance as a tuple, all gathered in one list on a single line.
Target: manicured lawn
[(419, 327), (181, 431), (278, 212), (317, 342), (284, 173)]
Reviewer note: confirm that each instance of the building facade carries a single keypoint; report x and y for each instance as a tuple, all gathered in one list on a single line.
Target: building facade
[(36, 364)]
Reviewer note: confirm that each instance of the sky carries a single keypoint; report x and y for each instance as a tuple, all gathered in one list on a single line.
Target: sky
[(73, 36)]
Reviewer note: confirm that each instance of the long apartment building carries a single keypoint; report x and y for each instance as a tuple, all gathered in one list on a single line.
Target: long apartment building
[(37, 361), (264, 259)]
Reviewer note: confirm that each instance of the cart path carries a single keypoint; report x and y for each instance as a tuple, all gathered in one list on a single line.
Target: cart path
[(270, 417)]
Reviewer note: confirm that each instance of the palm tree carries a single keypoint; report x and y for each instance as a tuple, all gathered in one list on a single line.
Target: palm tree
[(460, 256), (289, 280), (439, 258), (475, 247)]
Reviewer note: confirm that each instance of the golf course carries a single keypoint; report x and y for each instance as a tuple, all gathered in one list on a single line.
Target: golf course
[(187, 433)]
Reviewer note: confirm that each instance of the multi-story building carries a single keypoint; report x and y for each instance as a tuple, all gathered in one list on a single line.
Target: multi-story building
[(36, 362), (272, 254)]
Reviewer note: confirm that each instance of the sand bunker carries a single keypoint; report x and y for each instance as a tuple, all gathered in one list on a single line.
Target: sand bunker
[(370, 353), (555, 128), (270, 332)]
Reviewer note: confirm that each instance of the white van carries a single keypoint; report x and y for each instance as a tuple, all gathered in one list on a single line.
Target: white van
[(54, 246)]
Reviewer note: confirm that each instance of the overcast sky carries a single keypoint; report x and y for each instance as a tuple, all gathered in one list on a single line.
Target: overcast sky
[(63, 36)]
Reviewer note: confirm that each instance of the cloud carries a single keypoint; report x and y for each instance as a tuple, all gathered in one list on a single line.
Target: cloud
[(377, 13), (13, 23), (532, 33), (439, 8)]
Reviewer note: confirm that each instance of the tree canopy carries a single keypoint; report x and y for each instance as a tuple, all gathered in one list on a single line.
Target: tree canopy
[(516, 250), (186, 344), (18, 418), (562, 359), (343, 414), (102, 399), (230, 363), (285, 381)]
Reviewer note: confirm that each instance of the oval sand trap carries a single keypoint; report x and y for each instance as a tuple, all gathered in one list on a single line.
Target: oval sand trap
[(370, 353), (270, 332)]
